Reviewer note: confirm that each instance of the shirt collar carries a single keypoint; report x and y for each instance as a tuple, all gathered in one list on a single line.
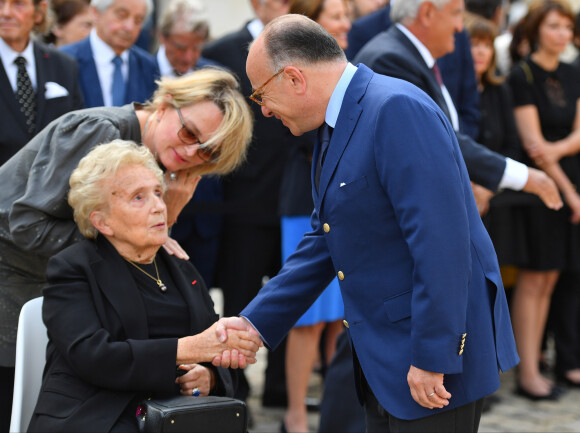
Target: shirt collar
[(255, 27), (425, 53), (8, 55), (102, 52), (337, 96), (164, 66)]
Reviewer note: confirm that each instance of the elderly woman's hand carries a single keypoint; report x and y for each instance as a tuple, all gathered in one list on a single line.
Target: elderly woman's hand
[(198, 378), (180, 188)]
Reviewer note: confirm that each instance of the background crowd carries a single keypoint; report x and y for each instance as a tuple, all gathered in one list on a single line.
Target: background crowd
[(511, 85)]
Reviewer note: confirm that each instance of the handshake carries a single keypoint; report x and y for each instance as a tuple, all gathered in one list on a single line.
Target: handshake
[(231, 342)]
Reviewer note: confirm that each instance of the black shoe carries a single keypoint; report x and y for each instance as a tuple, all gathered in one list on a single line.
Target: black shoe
[(563, 379), (554, 394)]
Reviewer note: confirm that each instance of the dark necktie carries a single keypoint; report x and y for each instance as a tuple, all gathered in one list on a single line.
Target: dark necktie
[(437, 74), (324, 136), (118, 83), (25, 94)]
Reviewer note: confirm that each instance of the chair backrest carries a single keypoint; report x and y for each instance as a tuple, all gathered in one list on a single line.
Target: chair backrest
[(31, 341)]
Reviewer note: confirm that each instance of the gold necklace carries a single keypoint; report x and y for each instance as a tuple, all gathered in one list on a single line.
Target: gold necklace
[(162, 286)]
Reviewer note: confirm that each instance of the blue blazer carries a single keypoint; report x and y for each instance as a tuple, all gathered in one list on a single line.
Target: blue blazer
[(395, 219), (143, 71)]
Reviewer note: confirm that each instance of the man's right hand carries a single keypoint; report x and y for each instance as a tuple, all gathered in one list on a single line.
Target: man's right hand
[(543, 186), (232, 359)]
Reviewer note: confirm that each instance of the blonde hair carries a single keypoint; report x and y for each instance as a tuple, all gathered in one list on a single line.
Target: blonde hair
[(216, 85), (87, 181)]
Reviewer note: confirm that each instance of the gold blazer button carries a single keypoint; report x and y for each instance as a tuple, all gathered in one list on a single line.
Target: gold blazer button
[(326, 228), (345, 323)]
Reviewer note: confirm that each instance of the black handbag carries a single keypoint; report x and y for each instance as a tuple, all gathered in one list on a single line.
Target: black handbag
[(182, 413)]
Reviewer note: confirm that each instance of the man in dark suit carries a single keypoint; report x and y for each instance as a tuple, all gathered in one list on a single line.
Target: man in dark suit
[(408, 51), (52, 75), (394, 218), (456, 67), (37, 85), (250, 247), (112, 71)]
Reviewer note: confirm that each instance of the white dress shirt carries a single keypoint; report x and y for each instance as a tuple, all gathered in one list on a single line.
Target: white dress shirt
[(103, 55), (8, 55)]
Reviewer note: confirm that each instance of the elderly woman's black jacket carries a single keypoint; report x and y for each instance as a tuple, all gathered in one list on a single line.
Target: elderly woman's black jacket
[(99, 356)]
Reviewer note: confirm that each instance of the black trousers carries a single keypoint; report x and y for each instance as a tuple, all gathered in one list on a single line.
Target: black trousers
[(463, 419), (340, 410)]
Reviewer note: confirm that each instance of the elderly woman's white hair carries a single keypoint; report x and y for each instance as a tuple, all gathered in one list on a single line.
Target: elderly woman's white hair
[(87, 182), (407, 9)]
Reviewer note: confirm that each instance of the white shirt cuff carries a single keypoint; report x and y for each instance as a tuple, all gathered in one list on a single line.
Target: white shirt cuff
[(515, 175)]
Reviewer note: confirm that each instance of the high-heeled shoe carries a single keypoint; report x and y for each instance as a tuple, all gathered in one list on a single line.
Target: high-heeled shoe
[(568, 382), (554, 394)]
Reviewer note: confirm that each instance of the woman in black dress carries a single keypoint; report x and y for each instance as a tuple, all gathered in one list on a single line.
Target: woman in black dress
[(546, 95)]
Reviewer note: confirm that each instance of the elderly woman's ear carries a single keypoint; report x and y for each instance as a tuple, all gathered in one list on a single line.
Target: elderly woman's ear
[(99, 221)]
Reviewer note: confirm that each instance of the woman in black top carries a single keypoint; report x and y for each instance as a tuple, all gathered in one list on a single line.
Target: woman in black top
[(546, 96), (124, 318)]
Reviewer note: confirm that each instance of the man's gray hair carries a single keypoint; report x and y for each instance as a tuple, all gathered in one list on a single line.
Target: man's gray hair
[(188, 16), (407, 9), (294, 38), (103, 5)]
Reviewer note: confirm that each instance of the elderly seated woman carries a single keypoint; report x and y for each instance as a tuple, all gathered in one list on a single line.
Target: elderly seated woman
[(125, 319)]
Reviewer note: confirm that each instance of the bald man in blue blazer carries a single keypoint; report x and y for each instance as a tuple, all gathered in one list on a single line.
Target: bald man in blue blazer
[(394, 218)]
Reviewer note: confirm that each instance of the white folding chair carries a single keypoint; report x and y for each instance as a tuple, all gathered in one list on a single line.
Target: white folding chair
[(31, 341)]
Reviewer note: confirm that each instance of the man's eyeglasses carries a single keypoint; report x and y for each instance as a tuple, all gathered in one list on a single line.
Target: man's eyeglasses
[(187, 136), (257, 95)]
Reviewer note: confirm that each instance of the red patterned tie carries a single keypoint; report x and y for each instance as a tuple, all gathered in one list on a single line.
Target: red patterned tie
[(437, 74)]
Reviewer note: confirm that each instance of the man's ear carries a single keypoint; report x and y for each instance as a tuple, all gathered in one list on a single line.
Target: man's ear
[(99, 221), (296, 78), (425, 13)]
